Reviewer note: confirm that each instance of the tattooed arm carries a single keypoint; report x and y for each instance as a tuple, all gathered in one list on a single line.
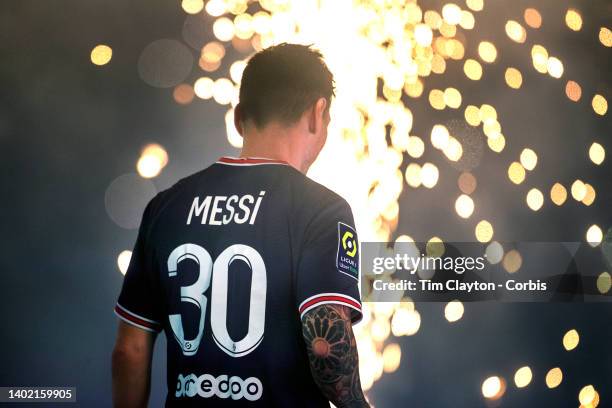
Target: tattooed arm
[(332, 352)]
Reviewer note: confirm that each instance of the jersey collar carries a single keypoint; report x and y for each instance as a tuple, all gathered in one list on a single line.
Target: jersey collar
[(249, 161)]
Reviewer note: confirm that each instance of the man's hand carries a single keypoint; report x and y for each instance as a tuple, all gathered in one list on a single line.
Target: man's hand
[(332, 352), (132, 366)]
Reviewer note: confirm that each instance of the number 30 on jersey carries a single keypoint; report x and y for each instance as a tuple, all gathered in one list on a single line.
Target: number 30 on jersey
[(218, 272)]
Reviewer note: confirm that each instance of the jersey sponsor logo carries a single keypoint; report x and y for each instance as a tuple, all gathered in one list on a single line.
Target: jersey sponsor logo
[(207, 386), (223, 210), (347, 259)]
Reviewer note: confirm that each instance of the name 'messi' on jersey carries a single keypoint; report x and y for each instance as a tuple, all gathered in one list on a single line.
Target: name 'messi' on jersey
[(223, 210)]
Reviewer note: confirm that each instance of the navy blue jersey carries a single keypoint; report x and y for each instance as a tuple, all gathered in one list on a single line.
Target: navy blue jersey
[(226, 263)]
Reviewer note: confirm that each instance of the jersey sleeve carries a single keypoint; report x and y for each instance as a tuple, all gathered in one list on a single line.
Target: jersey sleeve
[(328, 266), (139, 298)]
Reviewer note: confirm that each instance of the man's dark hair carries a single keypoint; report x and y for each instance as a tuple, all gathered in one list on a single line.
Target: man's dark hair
[(281, 82)]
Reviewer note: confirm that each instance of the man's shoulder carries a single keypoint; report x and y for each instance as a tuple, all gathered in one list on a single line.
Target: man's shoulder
[(316, 199), (322, 193)]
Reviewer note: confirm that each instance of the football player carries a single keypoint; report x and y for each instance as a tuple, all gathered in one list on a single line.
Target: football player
[(249, 267)]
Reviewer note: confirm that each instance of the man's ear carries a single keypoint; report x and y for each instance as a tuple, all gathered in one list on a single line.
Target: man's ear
[(238, 118), (317, 115)]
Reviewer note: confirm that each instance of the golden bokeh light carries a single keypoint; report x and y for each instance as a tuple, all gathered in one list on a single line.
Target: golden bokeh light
[(493, 387), (464, 206), (262, 22), (203, 87), (533, 18), (436, 99), (101, 54), (192, 6), (157, 151), (429, 175), (209, 66), (554, 377), (539, 57), (236, 70), (451, 13), (391, 212), (487, 51), (599, 104), (404, 238), (243, 26), (512, 261), (148, 167), (467, 182), (487, 112), (240, 6), (452, 98), (523, 377), (454, 150), (415, 146), (453, 311), (449, 31), (535, 199), (514, 78), (467, 20), (590, 195), (494, 252), (213, 52), (153, 159), (605, 36), (472, 69), (223, 91), (183, 94), (597, 153), (558, 194), (573, 91), (423, 35), (216, 8), (405, 322), (484, 231), (529, 159), (491, 128), (472, 115), (497, 144), (414, 90), (571, 339), (223, 29), (516, 172), (380, 329), (392, 355), (476, 5), (123, 261), (573, 20), (515, 31), (435, 247), (433, 19), (594, 235), (579, 190), (604, 282), (413, 175), (594, 403), (554, 66), (586, 396)]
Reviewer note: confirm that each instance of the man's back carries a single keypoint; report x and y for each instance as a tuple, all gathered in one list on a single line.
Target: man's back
[(227, 262)]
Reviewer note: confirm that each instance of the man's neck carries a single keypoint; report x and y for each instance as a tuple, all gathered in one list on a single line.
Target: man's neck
[(273, 145)]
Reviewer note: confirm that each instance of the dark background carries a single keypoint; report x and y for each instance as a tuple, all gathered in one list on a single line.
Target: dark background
[(69, 128)]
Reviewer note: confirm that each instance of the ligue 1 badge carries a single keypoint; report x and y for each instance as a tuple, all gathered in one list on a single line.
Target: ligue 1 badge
[(347, 259)]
